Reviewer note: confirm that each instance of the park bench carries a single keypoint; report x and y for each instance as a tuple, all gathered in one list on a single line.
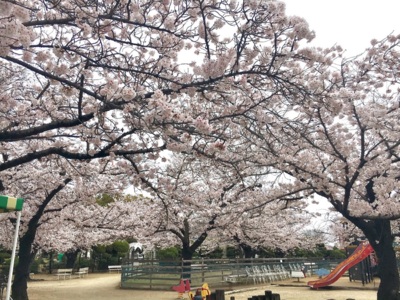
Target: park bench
[(82, 272), (297, 274), (198, 266), (63, 273), (114, 268), (236, 276)]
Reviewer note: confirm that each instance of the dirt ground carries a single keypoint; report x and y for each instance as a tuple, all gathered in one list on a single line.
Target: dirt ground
[(106, 287)]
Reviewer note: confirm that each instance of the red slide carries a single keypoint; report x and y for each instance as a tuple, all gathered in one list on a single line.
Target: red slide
[(361, 252)]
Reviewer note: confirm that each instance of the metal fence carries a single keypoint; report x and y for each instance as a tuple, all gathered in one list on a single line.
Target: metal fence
[(161, 275)]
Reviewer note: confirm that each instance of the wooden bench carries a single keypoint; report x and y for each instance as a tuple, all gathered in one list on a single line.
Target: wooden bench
[(82, 272), (114, 268), (297, 274), (63, 273)]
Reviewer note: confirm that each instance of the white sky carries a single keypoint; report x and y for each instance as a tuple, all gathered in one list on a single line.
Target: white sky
[(351, 24)]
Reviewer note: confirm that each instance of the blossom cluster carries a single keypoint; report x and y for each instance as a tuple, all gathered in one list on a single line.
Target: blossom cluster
[(12, 31)]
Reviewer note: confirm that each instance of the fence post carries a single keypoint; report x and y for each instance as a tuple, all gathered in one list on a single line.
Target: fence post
[(268, 295), (151, 276), (276, 297), (219, 295), (212, 296), (202, 269)]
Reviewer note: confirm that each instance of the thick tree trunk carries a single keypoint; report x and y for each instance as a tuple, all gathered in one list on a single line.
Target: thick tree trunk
[(71, 258), (379, 235), (187, 249), (387, 262), (187, 254), (20, 285), (25, 255), (388, 272), (248, 251)]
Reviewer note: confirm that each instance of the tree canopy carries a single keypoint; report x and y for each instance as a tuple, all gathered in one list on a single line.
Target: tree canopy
[(98, 94)]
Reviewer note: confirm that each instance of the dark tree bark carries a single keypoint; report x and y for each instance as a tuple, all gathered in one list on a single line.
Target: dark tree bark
[(247, 250), (187, 255), (388, 272), (189, 249), (22, 269), (379, 234), (378, 231), (26, 255), (71, 258)]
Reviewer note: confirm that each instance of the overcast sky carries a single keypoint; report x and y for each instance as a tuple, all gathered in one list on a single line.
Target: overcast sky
[(349, 23)]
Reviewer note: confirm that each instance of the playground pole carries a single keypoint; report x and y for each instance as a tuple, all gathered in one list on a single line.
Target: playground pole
[(14, 250), (8, 204)]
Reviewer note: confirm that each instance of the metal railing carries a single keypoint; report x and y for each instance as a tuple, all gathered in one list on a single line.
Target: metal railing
[(156, 274)]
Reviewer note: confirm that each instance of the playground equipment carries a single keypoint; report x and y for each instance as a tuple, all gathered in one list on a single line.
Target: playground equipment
[(201, 293), (184, 287), (361, 252)]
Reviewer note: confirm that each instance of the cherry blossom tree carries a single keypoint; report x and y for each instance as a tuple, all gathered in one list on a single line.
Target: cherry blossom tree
[(341, 142), (60, 212), (81, 226), (200, 203), (268, 227), (345, 232), (113, 83), (105, 78), (191, 199)]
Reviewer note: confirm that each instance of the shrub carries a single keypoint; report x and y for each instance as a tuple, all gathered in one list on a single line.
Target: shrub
[(171, 253), (35, 266)]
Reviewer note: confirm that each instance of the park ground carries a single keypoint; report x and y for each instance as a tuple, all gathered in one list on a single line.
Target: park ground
[(105, 286)]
